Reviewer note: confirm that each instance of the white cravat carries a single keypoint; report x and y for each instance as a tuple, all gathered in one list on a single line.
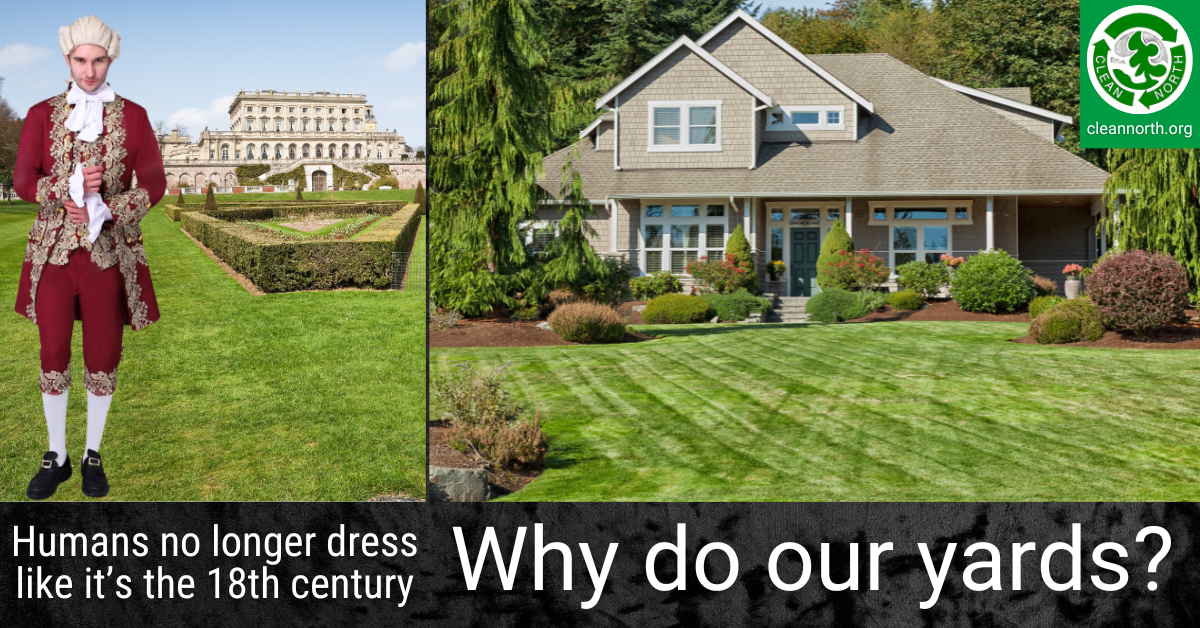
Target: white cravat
[(87, 119)]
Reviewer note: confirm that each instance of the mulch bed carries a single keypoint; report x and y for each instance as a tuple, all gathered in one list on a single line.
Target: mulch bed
[(504, 332), (944, 310), (1173, 337), (503, 481), (635, 318)]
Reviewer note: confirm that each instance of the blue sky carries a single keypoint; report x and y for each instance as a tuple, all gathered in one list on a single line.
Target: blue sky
[(184, 62)]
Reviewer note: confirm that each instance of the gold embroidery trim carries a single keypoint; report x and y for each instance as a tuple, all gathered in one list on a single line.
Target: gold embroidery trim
[(100, 383), (55, 382)]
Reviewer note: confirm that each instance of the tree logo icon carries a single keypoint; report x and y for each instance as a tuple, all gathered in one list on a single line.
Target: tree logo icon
[(1140, 59)]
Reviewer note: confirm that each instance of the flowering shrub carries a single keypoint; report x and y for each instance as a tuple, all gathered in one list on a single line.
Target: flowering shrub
[(776, 266), (737, 305), (655, 284), (676, 308), (906, 300), (1073, 271), (721, 277), (991, 281), (1069, 321), (924, 278), (853, 270), (588, 323), (1139, 290), (952, 261)]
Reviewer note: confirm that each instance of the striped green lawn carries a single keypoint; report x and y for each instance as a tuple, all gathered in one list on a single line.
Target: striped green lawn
[(302, 396), (873, 412)]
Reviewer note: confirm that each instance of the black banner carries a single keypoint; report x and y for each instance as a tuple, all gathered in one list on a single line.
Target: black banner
[(815, 564)]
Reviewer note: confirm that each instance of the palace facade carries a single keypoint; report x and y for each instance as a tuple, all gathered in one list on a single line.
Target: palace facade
[(286, 130)]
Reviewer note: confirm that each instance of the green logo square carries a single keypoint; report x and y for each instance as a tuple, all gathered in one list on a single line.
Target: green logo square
[(1136, 63)]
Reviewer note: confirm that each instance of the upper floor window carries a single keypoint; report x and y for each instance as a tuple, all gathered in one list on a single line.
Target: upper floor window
[(279, 125), (304, 110), (224, 151), (264, 124), (356, 110), (277, 109), (318, 110), (249, 109), (304, 126), (357, 125), (291, 109), (249, 125), (343, 110), (807, 118), (685, 126), (291, 125), (343, 125)]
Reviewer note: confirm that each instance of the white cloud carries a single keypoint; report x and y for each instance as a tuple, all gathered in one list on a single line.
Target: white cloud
[(215, 117), (403, 105), (405, 57), (18, 55)]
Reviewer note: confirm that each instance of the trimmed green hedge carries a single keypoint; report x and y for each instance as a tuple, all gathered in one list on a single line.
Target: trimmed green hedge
[(290, 206), (276, 265)]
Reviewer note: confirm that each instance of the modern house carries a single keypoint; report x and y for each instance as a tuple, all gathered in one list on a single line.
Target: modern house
[(740, 128)]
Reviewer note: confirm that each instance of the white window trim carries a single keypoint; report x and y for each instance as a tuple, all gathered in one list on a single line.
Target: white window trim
[(684, 116), (891, 206), (666, 221), (821, 110), (531, 228), (920, 251)]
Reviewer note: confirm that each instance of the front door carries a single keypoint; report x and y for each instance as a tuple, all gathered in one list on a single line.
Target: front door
[(806, 246), (318, 179)]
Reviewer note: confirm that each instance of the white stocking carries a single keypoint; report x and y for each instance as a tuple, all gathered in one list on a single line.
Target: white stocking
[(55, 407), (97, 414)]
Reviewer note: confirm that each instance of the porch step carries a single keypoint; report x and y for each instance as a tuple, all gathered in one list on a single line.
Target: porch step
[(788, 309)]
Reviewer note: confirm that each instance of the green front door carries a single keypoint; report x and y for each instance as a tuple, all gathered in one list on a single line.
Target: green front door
[(806, 246)]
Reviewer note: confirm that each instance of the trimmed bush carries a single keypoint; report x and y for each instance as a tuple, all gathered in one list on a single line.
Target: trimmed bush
[(179, 201), (834, 306), (276, 264), (299, 196), (991, 281), (588, 323), (1043, 286), (739, 247), (1041, 304), (836, 241), (1139, 290), (655, 284), (872, 300), (1069, 321), (923, 277), (675, 309), (210, 201), (906, 300), (555, 299), (737, 306), (419, 195)]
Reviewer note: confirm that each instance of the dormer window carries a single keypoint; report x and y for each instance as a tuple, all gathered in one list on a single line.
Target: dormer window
[(807, 118), (685, 126)]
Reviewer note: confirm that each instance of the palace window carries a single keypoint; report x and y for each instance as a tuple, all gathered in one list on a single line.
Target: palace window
[(291, 125), (685, 126), (264, 124), (249, 109), (368, 113), (265, 155), (291, 151), (677, 234), (357, 125), (278, 151), (224, 152), (249, 125), (356, 110), (304, 126), (358, 151), (304, 110), (318, 123), (343, 125), (249, 151), (212, 154), (304, 151), (278, 125), (343, 110), (379, 153), (262, 109), (345, 151), (291, 110), (277, 109)]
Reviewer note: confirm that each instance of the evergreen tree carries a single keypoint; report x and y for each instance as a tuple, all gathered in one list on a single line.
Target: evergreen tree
[(1164, 215), (836, 241), (419, 195), (210, 201), (493, 117), (179, 201), (739, 247)]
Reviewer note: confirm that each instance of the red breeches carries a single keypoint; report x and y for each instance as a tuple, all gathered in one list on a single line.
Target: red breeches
[(99, 298)]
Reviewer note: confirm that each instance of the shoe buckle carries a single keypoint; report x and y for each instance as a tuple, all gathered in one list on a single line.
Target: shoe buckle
[(94, 462), (47, 464)]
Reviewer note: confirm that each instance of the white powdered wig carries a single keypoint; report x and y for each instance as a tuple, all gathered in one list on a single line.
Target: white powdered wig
[(89, 30)]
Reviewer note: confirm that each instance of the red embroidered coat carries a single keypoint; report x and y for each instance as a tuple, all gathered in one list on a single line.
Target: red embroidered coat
[(46, 160)]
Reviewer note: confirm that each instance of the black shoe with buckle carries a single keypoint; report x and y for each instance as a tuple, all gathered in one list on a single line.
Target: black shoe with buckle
[(49, 476), (95, 483)]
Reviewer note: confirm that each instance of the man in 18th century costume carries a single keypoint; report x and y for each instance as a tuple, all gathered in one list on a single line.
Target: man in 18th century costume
[(78, 156)]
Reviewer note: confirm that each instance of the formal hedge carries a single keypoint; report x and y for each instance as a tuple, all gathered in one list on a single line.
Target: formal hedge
[(290, 207), (277, 265)]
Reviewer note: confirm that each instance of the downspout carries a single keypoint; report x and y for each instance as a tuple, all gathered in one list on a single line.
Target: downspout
[(616, 132)]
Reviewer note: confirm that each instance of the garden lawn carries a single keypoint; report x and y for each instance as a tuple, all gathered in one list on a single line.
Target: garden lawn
[(300, 396), (898, 411)]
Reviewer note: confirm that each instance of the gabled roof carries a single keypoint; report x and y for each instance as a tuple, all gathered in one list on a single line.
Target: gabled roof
[(799, 56), (1007, 102), (1019, 94), (604, 117), (685, 42), (905, 151)]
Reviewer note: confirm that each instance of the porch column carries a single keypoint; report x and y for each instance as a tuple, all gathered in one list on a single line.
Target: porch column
[(849, 217), (613, 205), (991, 224)]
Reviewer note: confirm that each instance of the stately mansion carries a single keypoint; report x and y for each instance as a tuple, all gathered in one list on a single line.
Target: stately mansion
[(285, 130)]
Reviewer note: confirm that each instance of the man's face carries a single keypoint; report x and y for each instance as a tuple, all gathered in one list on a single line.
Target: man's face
[(89, 66)]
